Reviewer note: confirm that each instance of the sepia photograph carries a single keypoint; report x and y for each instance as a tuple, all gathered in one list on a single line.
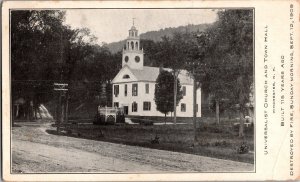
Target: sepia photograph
[(132, 90)]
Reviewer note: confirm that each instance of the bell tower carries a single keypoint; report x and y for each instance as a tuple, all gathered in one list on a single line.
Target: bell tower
[(133, 54)]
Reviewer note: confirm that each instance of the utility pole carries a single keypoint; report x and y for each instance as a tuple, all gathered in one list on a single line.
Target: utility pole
[(175, 74), (195, 109), (67, 107), (62, 88), (175, 94)]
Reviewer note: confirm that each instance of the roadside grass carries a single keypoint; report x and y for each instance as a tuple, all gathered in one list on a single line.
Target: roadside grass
[(218, 141)]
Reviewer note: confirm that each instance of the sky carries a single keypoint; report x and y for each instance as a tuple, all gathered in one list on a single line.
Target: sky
[(111, 25)]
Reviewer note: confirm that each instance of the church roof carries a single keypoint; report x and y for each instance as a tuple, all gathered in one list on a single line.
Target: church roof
[(151, 73)]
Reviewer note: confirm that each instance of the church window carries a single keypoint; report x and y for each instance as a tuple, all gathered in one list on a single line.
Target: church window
[(126, 59), (147, 88), (183, 107), (134, 107), (132, 45), (116, 90), (128, 45), (147, 106), (125, 90), (137, 59), (183, 90), (136, 46), (116, 104), (134, 89), (126, 76)]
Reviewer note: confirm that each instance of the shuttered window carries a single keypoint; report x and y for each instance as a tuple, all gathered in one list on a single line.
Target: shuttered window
[(116, 104), (125, 90), (134, 107), (147, 88), (147, 106), (134, 89), (116, 90), (183, 90), (183, 107)]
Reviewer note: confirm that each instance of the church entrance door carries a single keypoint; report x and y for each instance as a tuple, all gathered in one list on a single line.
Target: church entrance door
[(126, 110)]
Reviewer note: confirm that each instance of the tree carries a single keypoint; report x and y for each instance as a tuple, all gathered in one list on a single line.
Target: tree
[(229, 60), (43, 51), (150, 48), (172, 54), (163, 93), (195, 52), (33, 48)]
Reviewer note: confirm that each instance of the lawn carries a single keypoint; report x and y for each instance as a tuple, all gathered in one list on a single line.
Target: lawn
[(219, 141)]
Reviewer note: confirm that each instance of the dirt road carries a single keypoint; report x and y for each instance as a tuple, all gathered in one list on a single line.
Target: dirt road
[(34, 150)]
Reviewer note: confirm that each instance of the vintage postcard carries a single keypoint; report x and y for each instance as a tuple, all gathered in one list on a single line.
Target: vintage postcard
[(150, 90)]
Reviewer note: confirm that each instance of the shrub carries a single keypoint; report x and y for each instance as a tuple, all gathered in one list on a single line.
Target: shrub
[(243, 149), (155, 140)]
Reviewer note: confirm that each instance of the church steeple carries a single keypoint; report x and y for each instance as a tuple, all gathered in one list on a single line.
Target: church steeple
[(133, 55), (133, 31)]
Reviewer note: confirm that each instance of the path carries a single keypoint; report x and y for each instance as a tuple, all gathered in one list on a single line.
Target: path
[(34, 150)]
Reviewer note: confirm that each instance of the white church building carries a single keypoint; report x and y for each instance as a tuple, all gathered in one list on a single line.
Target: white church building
[(134, 85)]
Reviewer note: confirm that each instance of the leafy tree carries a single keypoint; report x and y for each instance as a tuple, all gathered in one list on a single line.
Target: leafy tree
[(98, 67), (164, 94), (151, 48), (44, 51), (33, 53), (172, 54), (221, 59), (229, 60)]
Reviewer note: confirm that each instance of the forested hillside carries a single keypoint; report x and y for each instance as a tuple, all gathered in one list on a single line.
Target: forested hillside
[(157, 35)]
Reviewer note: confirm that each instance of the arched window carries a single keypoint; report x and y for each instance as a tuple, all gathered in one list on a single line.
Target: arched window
[(127, 45), (126, 76), (134, 107), (136, 45), (132, 45)]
